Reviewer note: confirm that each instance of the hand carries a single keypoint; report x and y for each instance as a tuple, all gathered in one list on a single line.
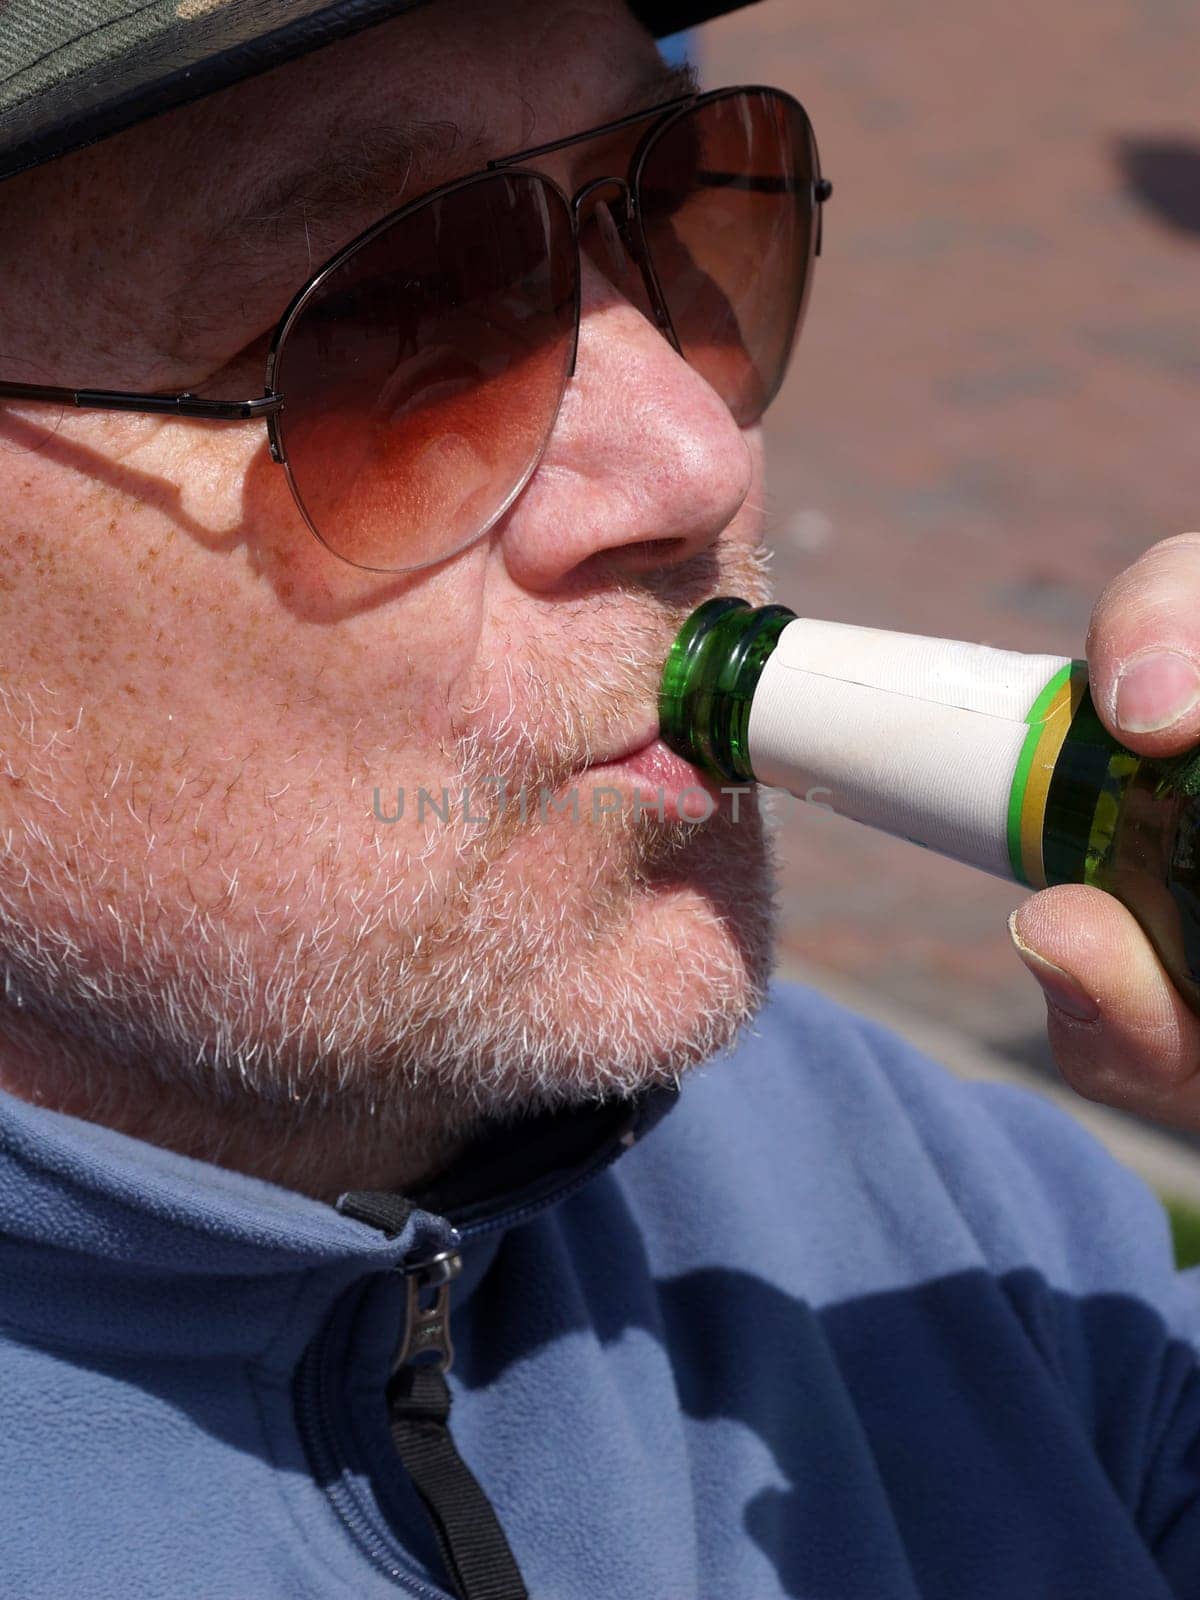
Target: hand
[(1119, 1030)]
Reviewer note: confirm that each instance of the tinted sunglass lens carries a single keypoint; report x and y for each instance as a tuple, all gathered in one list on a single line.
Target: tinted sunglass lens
[(422, 375), (728, 214)]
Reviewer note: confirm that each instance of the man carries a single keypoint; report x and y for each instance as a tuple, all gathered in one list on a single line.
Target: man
[(294, 1058)]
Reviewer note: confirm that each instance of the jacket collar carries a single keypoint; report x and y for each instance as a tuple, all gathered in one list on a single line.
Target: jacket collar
[(518, 1169), (110, 1242)]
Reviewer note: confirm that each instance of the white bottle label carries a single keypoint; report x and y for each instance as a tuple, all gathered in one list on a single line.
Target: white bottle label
[(916, 736)]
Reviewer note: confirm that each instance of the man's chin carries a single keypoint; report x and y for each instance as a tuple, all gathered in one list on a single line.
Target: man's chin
[(574, 963), (627, 981)]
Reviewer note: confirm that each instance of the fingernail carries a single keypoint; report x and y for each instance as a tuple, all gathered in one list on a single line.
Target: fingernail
[(1155, 690), (1060, 988)]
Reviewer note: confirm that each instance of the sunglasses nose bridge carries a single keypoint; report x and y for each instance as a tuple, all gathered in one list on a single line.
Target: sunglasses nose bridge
[(614, 194), (612, 197)]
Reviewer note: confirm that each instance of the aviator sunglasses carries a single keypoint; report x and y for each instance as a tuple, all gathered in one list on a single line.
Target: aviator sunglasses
[(413, 383)]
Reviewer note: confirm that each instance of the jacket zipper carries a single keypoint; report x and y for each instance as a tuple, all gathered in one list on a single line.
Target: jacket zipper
[(426, 1328)]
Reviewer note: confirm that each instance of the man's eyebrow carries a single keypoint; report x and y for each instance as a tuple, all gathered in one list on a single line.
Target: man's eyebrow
[(661, 84), (371, 168), (355, 179), (374, 168)]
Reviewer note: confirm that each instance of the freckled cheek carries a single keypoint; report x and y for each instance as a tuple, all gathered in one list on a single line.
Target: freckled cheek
[(185, 652)]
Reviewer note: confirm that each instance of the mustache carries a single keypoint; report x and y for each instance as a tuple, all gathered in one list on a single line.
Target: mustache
[(541, 717)]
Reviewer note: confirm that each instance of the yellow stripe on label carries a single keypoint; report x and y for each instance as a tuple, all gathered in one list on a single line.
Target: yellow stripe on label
[(1056, 724)]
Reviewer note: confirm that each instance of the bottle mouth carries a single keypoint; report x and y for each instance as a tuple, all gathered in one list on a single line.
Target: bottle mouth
[(709, 679), (685, 673)]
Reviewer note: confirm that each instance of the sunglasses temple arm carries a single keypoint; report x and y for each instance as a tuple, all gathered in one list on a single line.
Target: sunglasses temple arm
[(767, 183), (822, 189), (178, 405)]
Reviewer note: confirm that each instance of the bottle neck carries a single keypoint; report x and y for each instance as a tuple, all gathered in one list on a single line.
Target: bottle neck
[(709, 681)]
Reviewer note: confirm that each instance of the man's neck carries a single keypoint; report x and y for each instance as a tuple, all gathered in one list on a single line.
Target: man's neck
[(321, 1153)]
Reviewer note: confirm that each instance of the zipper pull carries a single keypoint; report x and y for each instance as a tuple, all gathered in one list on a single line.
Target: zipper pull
[(476, 1552), (426, 1329), (426, 1325)]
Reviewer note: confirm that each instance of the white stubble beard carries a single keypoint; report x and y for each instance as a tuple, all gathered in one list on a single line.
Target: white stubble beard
[(372, 1018)]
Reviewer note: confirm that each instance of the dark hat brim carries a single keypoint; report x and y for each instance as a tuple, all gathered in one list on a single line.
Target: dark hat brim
[(78, 71)]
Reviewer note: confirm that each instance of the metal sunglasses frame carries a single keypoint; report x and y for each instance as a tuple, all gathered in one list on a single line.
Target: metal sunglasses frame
[(270, 403)]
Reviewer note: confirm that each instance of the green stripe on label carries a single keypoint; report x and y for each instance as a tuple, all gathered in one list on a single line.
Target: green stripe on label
[(1035, 717)]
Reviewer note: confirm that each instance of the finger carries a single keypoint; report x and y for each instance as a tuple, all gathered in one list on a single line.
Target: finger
[(1118, 1029), (1143, 649)]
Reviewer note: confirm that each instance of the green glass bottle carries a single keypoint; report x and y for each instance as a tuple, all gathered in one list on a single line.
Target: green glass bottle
[(992, 757)]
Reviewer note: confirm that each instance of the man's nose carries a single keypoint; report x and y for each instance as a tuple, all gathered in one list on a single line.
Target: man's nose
[(646, 466)]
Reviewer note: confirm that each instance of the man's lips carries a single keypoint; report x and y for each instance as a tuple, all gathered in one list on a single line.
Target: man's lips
[(653, 772)]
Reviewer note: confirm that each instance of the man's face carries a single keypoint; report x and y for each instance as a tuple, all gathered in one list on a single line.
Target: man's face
[(198, 702)]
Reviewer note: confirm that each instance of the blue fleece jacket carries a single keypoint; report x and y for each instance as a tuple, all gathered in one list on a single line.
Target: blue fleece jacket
[(838, 1327)]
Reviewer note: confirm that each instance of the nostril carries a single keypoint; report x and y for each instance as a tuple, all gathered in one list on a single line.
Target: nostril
[(652, 552), (637, 557)]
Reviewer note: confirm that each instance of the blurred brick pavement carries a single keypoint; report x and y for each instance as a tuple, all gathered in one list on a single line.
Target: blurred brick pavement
[(996, 400)]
